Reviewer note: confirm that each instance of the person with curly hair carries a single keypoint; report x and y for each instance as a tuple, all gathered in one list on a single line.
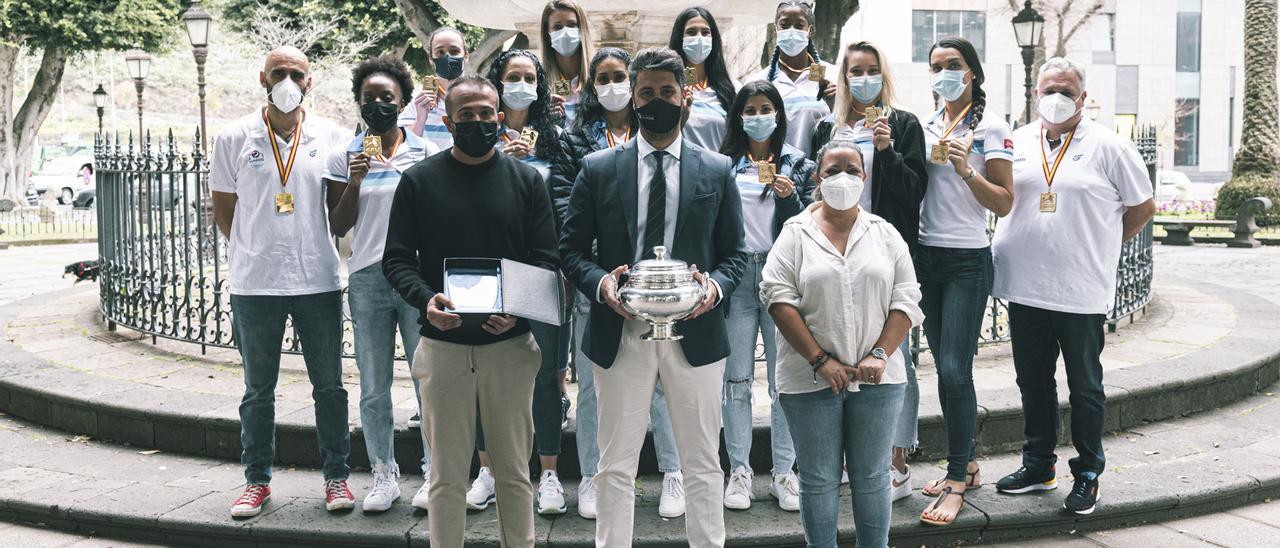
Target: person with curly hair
[(360, 189), (808, 95), (525, 103)]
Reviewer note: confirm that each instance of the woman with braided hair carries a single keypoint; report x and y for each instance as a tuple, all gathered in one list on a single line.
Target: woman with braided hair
[(970, 175), (808, 96)]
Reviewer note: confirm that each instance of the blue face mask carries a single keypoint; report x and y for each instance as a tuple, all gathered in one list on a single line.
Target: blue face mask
[(865, 89), (760, 128), (792, 41), (448, 67), (949, 84)]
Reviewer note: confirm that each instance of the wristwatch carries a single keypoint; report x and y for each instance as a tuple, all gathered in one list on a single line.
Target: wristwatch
[(880, 354), (972, 173)]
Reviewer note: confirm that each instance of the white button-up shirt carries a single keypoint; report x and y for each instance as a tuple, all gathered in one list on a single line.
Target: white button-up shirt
[(671, 170), (844, 296)]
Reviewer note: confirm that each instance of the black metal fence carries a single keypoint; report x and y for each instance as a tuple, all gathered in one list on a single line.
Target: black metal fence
[(164, 264), (48, 223)]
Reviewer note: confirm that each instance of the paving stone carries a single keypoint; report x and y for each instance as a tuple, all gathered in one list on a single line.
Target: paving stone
[(1148, 535), (1225, 529)]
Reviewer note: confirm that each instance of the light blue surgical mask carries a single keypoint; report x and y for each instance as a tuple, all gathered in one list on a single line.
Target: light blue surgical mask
[(697, 48), (866, 88), (566, 41), (760, 128), (519, 95), (949, 84), (792, 41)]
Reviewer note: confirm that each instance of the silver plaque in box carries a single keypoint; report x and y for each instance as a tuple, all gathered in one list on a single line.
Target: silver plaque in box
[(661, 291)]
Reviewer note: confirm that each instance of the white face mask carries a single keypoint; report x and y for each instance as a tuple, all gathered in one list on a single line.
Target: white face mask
[(841, 191), (1057, 108), (286, 95), (519, 95), (793, 41), (566, 41), (614, 97), (697, 48)]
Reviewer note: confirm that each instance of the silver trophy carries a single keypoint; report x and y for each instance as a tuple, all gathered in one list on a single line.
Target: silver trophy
[(661, 291)]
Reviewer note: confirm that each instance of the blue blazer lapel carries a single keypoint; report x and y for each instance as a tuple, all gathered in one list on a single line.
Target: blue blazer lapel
[(625, 160), (690, 171)]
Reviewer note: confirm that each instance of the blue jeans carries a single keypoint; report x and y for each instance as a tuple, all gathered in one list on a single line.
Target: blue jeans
[(547, 413), (907, 433), (664, 440), (833, 431), (376, 312), (955, 284), (749, 318), (259, 323)]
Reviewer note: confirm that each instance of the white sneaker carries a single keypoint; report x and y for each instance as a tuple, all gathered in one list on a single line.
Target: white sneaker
[(421, 497), (671, 505), (900, 488), (844, 477), (786, 488), (587, 498), (737, 495), (550, 494), (481, 492), (385, 492)]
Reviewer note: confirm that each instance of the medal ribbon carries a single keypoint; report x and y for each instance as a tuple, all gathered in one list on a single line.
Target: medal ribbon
[(955, 122), (283, 169), (1049, 174), (387, 159), (609, 137)]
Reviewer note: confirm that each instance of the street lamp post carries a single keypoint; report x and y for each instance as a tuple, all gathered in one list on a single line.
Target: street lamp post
[(198, 22), (100, 102), (1094, 110), (1027, 27), (139, 63)]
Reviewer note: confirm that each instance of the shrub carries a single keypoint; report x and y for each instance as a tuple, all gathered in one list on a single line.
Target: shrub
[(1237, 190)]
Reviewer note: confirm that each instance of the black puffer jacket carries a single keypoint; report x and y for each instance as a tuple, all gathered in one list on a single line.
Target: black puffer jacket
[(899, 177), (575, 144)]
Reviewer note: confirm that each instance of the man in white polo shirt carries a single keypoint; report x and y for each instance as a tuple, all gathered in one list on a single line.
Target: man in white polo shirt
[(1080, 191), (269, 201)]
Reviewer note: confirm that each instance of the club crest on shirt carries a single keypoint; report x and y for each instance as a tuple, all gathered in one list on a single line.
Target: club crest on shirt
[(1077, 157), (312, 153), (1008, 144), (256, 159)]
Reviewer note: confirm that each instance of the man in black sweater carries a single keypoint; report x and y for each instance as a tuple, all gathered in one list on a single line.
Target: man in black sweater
[(472, 201)]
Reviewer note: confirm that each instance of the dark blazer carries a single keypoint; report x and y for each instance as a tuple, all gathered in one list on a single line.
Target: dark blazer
[(899, 176), (709, 233)]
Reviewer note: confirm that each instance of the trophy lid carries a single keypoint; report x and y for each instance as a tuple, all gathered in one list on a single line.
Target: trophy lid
[(660, 263)]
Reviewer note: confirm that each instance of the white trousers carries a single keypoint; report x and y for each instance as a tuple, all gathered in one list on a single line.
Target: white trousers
[(693, 398)]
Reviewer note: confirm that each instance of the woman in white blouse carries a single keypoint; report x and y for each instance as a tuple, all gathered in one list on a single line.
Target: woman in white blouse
[(841, 288)]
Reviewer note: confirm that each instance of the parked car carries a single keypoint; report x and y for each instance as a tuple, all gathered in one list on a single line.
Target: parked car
[(86, 198), (1173, 187), (65, 176)]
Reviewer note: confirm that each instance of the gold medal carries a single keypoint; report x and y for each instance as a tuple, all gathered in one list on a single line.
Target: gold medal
[(768, 173), (429, 82), (690, 77), (562, 88), (372, 146), (817, 72), (939, 152), (870, 116), (284, 203), (1048, 202), (529, 136)]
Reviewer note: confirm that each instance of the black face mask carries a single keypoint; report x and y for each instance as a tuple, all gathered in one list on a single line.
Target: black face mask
[(475, 139), (448, 67), (659, 116), (379, 116)]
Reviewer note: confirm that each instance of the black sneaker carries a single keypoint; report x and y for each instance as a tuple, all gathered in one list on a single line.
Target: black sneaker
[(564, 411), (1026, 481), (1084, 496)]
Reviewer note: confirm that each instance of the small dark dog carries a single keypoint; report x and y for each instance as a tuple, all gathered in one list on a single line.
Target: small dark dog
[(83, 270)]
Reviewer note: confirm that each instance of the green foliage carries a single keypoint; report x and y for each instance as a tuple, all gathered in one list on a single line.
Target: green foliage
[(90, 25), (1239, 189)]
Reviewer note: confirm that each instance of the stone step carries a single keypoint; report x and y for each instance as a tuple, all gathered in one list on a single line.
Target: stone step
[(1201, 346), (1188, 466)]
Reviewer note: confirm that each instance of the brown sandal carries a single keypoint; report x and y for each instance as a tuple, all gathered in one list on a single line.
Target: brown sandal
[(973, 480), (946, 492)]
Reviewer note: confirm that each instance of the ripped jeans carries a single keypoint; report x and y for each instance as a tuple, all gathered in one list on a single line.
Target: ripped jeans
[(749, 318)]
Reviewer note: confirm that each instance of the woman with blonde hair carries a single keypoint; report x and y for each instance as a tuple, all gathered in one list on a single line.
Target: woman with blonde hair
[(566, 51), (892, 145)]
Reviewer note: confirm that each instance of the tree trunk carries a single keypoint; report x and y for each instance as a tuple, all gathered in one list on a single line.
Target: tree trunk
[(419, 20), (488, 49), (36, 107), (1259, 133), (10, 183), (831, 16)]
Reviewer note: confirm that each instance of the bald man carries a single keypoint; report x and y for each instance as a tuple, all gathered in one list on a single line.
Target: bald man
[(269, 202)]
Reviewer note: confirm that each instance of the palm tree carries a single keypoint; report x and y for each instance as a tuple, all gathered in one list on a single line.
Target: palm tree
[(1258, 162)]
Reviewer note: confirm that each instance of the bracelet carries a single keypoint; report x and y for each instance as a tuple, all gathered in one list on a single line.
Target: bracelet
[(819, 361)]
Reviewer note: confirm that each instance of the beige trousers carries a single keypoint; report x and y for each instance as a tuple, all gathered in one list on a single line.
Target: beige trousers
[(693, 398), (453, 378)]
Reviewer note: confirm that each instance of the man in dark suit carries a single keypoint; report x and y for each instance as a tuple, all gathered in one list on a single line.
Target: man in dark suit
[(657, 190)]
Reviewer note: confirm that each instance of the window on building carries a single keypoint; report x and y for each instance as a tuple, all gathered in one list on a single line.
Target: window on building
[(929, 26), (1188, 45), (1104, 39), (1186, 132)]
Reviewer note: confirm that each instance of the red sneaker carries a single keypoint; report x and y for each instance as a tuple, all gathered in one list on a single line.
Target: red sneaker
[(250, 502), (337, 496)]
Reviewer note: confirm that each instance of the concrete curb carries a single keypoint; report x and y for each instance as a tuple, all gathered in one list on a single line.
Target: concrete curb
[(1240, 364)]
